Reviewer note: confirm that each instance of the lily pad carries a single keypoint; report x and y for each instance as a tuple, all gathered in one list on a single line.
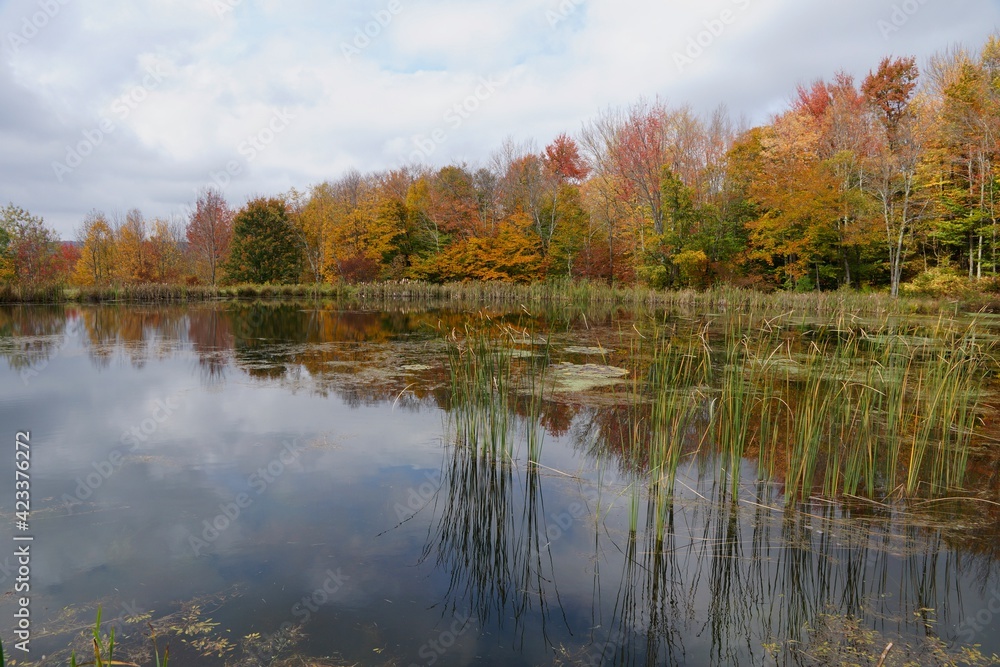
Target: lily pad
[(583, 377)]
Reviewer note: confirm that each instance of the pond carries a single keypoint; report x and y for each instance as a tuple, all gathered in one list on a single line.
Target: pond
[(313, 484)]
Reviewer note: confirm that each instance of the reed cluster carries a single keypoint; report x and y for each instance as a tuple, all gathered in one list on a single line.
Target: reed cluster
[(562, 293), (878, 411), (872, 408), (497, 372)]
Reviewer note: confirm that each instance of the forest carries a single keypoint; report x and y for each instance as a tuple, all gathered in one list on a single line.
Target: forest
[(889, 183)]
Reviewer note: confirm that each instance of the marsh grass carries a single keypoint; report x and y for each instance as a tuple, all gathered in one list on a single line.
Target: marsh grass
[(896, 420), (481, 371), (585, 296), (871, 408), (498, 372)]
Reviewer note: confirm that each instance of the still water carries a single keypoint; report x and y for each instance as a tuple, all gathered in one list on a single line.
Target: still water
[(277, 485)]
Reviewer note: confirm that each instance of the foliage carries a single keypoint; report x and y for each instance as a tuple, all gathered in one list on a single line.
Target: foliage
[(856, 183), (940, 281), (263, 249), (30, 252), (98, 254), (209, 233)]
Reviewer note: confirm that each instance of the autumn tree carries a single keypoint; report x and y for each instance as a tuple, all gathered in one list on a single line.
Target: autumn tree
[(528, 186), (962, 156), (563, 158), (263, 250), (564, 232), (166, 255), (847, 138), (29, 250), (309, 226), (209, 233), (97, 255), (797, 197), (445, 207), (132, 252), (571, 235), (510, 255), (896, 156), (361, 219), (808, 181), (605, 193)]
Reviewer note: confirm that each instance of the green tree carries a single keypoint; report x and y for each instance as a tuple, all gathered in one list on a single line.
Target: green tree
[(264, 247)]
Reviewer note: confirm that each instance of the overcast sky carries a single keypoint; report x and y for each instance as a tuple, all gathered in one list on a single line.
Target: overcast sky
[(115, 104)]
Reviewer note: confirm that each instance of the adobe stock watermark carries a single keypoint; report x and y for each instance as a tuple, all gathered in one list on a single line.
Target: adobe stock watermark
[(122, 107), (132, 439), (985, 620), (248, 149), (900, 16), (431, 651), (426, 145), (301, 611), (257, 483), (564, 10), (705, 38), (418, 497), (33, 24), (370, 31)]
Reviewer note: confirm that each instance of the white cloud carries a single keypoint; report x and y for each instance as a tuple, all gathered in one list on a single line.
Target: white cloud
[(224, 77)]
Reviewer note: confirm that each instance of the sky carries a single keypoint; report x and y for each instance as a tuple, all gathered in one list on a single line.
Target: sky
[(121, 104)]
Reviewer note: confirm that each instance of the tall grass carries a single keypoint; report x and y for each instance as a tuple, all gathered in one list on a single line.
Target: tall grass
[(678, 375), (104, 650), (482, 385), (496, 372), (874, 409), (563, 293)]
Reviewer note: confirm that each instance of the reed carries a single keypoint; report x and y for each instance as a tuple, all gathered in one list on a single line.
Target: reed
[(493, 378), (480, 364), (875, 409), (564, 293), (678, 372)]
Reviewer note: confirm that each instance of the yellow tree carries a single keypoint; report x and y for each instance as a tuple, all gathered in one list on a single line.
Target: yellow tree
[(363, 223), (799, 200), (97, 257), (133, 262), (165, 255), (308, 215), (511, 255)]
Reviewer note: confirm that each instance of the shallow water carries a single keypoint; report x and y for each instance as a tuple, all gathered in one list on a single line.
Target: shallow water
[(262, 482)]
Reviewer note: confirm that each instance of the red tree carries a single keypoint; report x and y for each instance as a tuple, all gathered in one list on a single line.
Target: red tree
[(210, 231)]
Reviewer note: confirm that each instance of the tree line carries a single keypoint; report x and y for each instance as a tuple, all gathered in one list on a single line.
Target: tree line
[(865, 184)]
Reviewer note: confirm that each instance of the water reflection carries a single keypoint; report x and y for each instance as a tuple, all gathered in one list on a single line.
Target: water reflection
[(491, 538), (579, 560)]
